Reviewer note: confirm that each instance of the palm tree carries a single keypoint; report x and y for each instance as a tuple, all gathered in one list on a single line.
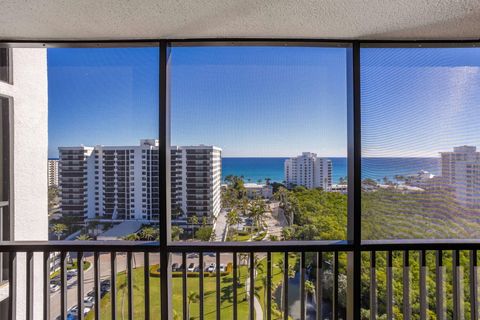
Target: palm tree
[(193, 220), (176, 233), (309, 288), (243, 258), (234, 219), (148, 234), (84, 237), (287, 233), (257, 211), (131, 237), (291, 274), (192, 297), (59, 229)]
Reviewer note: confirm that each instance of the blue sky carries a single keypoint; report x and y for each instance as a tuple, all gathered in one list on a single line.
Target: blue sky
[(419, 102), (267, 101), (250, 101), (101, 96)]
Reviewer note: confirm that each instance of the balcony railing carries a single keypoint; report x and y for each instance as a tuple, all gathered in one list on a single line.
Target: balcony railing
[(249, 287)]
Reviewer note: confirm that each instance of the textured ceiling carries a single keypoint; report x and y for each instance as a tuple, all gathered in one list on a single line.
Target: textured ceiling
[(149, 19)]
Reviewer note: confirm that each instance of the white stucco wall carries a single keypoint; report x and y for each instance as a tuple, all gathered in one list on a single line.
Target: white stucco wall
[(30, 183)]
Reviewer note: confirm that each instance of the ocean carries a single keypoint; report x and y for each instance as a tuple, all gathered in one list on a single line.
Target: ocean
[(257, 169)]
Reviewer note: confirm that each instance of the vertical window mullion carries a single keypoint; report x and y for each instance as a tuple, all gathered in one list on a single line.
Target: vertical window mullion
[(354, 182), (164, 185)]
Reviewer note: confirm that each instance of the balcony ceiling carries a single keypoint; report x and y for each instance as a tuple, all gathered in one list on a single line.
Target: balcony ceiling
[(150, 19)]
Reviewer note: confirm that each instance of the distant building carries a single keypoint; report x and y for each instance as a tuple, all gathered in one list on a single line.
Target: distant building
[(461, 171), (255, 190), (52, 172), (340, 188), (196, 176), (309, 171), (122, 182)]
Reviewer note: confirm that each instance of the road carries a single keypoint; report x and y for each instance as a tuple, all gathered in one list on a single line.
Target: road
[(220, 226)]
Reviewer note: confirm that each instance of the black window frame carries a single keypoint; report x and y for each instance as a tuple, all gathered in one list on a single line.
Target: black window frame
[(7, 69), (353, 244)]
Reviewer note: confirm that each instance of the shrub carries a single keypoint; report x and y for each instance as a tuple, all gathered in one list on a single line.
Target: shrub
[(155, 272)]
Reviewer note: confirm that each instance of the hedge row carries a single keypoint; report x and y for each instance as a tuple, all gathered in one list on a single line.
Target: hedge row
[(154, 272)]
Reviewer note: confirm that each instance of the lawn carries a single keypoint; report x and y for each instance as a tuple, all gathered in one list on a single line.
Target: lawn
[(226, 296), (192, 285)]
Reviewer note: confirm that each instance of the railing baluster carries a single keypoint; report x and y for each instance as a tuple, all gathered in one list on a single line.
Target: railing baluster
[(63, 275), (457, 286), (200, 284), (217, 283), (373, 286), (285, 286), (29, 284), (439, 292), (80, 295), (335, 286), (46, 285), (302, 285), (146, 279), (252, 287), (407, 310), (473, 286), (269, 286), (235, 282), (96, 275), (423, 285), (12, 292), (113, 285), (389, 292), (184, 286), (319, 292), (130, 285)]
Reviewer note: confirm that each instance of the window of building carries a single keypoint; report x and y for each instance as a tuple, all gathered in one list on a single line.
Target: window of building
[(5, 227), (231, 115), (419, 134), (5, 65)]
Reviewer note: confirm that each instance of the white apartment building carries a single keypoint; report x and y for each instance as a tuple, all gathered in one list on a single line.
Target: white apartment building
[(23, 168), (52, 172), (255, 190), (309, 171), (461, 171), (122, 182), (196, 176)]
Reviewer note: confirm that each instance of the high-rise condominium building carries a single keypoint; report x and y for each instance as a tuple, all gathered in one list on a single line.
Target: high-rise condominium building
[(461, 171), (23, 169), (196, 175), (309, 171), (122, 182), (52, 172)]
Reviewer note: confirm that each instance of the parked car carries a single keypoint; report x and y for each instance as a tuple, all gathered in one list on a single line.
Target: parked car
[(87, 303), (211, 267), (90, 297), (54, 287), (105, 285), (191, 267), (222, 268), (174, 267)]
